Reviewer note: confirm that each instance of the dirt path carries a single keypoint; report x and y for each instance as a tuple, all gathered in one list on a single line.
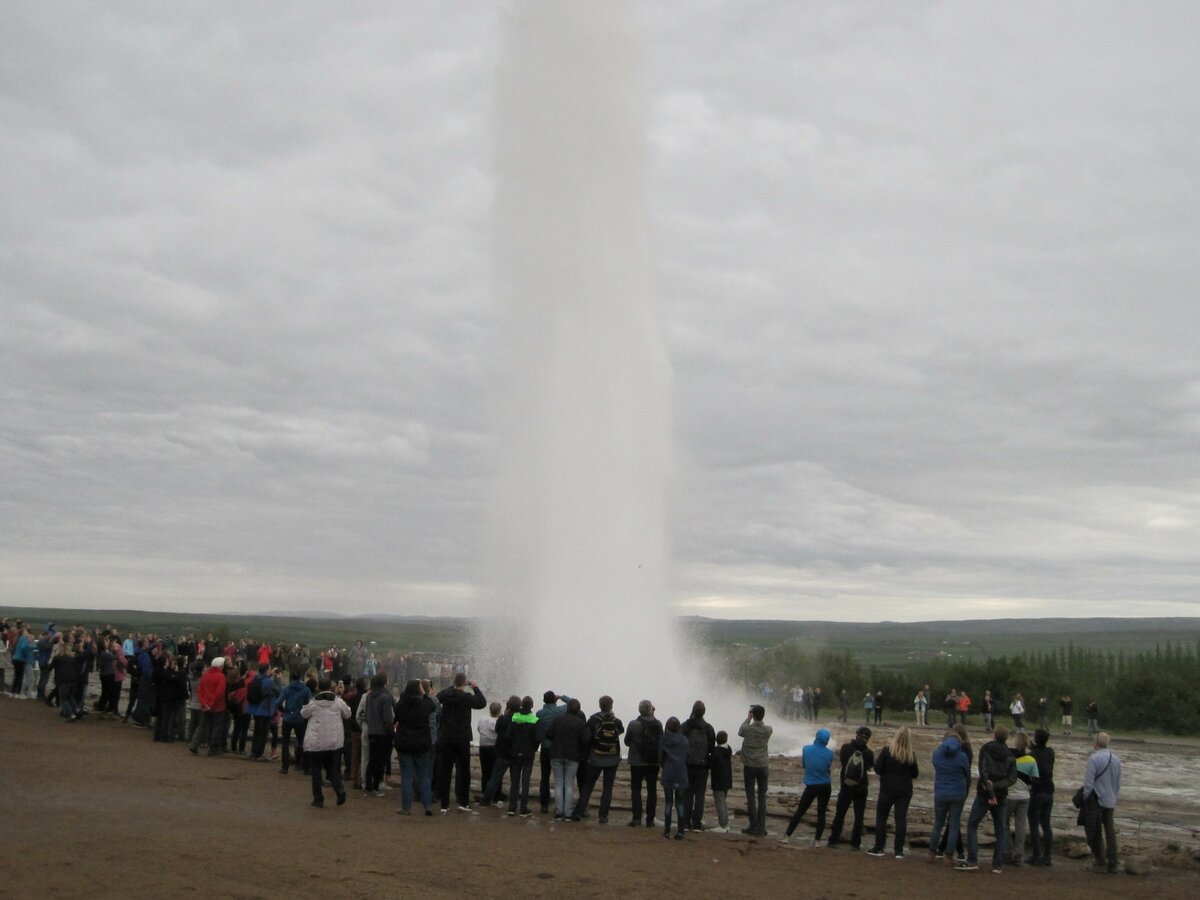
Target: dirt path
[(97, 808)]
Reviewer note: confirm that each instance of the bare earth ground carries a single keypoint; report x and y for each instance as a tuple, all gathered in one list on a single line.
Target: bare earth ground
[(96, 808)]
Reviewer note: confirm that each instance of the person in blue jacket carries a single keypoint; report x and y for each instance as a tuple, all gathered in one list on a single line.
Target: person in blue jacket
[(291, 701), (818, 760), (951, 784)]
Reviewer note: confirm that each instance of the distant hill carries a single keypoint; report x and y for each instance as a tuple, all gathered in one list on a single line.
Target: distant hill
[(880, 643)]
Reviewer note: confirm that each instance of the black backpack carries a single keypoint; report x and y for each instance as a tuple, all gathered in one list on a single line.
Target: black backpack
[(648, 745), (697, 746), (254, 691), (604, 738), (854, 772)]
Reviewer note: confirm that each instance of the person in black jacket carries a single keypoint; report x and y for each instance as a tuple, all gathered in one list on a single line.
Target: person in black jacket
[(720, 767), (523, 740), (170, 691), (997, 772), (896, 767), (501, 766), (701, 740), (454, 740), (642, 738), (414, 746), (570, 739), (853, 795), (1041, 800)]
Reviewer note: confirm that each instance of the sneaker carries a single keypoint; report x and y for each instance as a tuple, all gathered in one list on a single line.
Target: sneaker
[(632, 823), (444, 810), (319, 804), (404, 812), (512, 812), (603, 820), (816, 844), (899, 856), (965, 866), (875, 853), (996, 870), (467, 809), (785, 840), (429, 812), (526, 814), (378, 794), (341, 799), (679, 835)]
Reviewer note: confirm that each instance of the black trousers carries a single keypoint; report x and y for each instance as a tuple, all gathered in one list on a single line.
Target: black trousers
[(454, 758), (819, 793), (693, 797), (639, 776), (288, 728), (325, 762), (379, 747), (594, 773), (891, 803), (848, 798), (262, 731)]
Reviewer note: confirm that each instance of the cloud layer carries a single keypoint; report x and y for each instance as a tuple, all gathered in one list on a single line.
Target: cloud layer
[(927, 277)]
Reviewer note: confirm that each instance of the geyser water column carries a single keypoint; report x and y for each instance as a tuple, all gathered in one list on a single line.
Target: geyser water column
[(578, 600)]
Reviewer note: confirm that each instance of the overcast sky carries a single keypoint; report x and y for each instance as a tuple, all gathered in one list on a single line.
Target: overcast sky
[(929, 278)]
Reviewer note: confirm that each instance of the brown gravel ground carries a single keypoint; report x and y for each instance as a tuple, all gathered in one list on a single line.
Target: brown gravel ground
[(98, 809)]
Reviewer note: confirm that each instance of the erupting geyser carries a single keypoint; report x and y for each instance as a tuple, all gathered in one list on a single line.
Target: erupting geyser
[(580, 545)]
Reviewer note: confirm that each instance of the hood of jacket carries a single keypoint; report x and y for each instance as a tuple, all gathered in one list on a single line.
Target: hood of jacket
[(951, 746), (823, 736)]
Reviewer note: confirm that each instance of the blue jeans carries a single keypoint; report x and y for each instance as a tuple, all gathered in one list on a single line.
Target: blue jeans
[(947, 812), (416, 770), (999, 813), (564, 785), (674, 797)]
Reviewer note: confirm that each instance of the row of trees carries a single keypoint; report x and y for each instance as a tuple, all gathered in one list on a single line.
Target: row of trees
[(1155, 690)]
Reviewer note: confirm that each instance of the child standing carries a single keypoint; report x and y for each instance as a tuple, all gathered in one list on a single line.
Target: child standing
[(720, 766), (672, 755)]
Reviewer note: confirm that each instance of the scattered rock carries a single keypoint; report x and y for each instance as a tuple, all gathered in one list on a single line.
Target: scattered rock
[(1137, 865)]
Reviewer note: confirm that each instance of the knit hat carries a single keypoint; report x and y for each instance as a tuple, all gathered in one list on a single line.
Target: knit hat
[(218, 662)]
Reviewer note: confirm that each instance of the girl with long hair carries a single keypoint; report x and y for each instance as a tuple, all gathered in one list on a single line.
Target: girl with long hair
[(896, 766)]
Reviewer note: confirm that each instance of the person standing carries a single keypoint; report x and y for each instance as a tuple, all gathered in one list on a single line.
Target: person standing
[(843, 706), (1017, 709), (701, 740), (879, 707), (920, 705), (324, 737), (896, 767), (673, 756), (211, 693), (486, 729), (868, 707), (380, 730), (1067, 705), (261, 707), (1092, 711), (570, 741), (989, 712), (1041, 800), (720, 780), (1018, 797), (1101, 790), (964, 705), (642, 737), (858, 760), (997, 772), (756, 735), (454, 740), (952, 780), (817, 760), (523, 746), (603, 759), (293, 699), (551, 709), (414, 746)]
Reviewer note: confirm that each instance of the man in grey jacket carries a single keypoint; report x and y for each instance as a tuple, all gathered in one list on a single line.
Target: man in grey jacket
[(755, 735), (1101, 788)]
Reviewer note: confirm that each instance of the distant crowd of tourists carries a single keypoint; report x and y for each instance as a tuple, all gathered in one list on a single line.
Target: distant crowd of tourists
[(799, 702), (253, 700)]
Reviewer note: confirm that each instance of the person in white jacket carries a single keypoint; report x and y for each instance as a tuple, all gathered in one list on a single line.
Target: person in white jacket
[(323, 739)]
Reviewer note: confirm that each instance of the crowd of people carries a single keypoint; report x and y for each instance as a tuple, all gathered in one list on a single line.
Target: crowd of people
[(335, 717)]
